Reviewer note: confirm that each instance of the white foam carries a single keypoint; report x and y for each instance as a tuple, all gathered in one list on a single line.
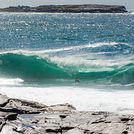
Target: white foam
[(83, 64), (74, 48), (65, 48), (82, 98), (7, 81)]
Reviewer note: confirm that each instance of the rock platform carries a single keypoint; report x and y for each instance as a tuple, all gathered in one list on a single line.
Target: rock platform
[(19, 116)]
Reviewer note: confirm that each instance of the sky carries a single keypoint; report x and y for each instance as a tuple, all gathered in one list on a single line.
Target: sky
[(129, 4)]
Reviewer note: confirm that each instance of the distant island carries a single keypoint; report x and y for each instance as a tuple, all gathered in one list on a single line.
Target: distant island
[(68, 9)]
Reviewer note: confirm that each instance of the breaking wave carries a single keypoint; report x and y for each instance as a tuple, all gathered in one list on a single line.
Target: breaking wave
[(34, 67)]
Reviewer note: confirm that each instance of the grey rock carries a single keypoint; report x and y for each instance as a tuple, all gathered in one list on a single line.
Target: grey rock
[(62, 107), (3, 100), (23, 106), (76, 131), (28, 117)]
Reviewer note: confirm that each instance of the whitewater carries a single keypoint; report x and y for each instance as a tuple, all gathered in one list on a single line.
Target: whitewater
[(41, 55)]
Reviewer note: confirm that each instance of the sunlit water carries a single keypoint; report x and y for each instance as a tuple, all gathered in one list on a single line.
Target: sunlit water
[(42, 54)]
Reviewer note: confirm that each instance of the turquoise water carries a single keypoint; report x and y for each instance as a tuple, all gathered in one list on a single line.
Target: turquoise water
[(92, 47), (44, 50)]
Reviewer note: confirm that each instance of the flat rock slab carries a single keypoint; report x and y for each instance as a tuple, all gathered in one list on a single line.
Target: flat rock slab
[(74, 122), (62, 107)]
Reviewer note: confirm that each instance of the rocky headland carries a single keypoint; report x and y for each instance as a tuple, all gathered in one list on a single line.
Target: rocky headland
[(19, 116), (68, 9)]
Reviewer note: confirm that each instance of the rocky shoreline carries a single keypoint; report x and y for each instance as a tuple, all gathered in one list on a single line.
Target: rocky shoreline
[(29, 117), (68, 9)]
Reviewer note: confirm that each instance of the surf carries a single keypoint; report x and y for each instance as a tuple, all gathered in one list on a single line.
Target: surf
[(45, 68)]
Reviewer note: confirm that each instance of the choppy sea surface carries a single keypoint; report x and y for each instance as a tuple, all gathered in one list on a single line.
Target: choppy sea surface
[(41, 55)]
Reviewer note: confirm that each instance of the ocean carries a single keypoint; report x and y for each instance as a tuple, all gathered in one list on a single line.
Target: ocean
[(41, 55)]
